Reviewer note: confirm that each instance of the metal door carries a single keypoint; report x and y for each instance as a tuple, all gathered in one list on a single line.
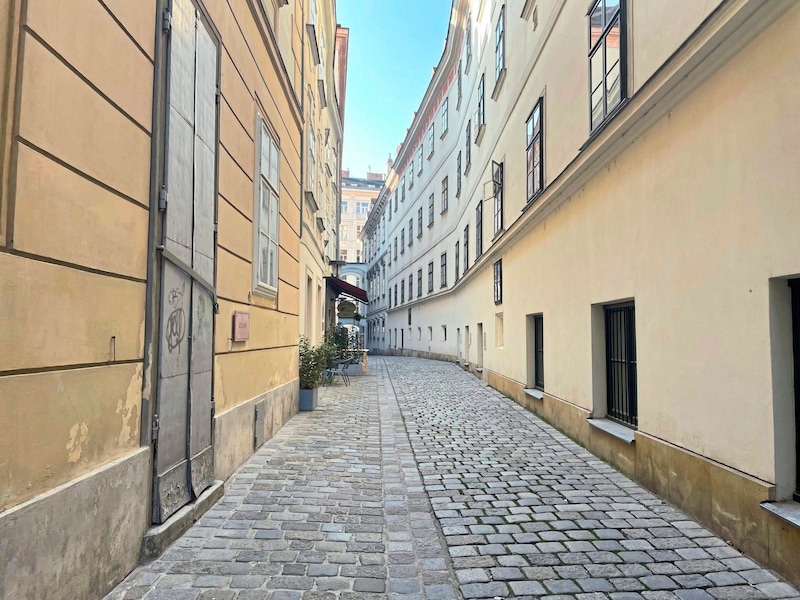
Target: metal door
[(183, 463)]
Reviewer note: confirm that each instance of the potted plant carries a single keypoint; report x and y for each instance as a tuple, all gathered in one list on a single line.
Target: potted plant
[(312, 364)]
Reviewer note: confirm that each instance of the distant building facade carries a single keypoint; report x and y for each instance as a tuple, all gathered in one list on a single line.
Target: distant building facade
[(358, 195), (596, 213)]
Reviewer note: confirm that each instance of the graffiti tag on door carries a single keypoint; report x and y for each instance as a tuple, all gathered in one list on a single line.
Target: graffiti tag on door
[(176, 322)]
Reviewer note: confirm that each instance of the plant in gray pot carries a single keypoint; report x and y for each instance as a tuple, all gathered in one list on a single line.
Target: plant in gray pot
[(312, 364)]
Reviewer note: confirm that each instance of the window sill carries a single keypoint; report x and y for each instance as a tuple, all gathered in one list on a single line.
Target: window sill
[(444, 133), (266, 292), (534, 393), (498, 84), (467, 168), (479, 135), (626, 434), (788, 510), (497, 234), (599, 129)]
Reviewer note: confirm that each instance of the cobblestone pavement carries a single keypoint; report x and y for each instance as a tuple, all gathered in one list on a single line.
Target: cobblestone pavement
[(419, 481)]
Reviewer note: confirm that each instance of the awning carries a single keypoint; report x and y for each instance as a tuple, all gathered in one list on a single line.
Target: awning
[(340, 286)]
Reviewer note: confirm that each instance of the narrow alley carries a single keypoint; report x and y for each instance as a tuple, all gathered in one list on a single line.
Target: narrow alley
[(420, 481)]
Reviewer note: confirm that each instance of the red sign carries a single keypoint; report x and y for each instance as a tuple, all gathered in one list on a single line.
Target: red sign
[(241, 326)]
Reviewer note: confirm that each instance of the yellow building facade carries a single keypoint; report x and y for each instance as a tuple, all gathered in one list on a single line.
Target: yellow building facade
[(150, 217), (593, 210)]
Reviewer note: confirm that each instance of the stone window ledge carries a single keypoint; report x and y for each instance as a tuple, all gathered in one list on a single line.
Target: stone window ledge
[(533, 393), (626, 434), (787, 510)]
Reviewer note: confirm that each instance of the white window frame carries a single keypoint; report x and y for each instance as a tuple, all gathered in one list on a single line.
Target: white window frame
[(445, 117), (266, 233)]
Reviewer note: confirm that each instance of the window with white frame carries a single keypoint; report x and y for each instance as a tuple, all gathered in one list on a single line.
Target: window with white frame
[(419, 283), (480, 114), (445, 117), (499, 44), (479, 229), (457, 260), (459, 82), (497, 185), (468, 44), (607, 55), (444, 194), (411, 231), (458, 175), (468, 147), (430, 277), (419, 222), (533, 151), (430, 210), (403, 189), (419, 160), (466, 249), (410, 175), (403, 240), (267, 213), (443, 270), (312, 160), (430, 141)]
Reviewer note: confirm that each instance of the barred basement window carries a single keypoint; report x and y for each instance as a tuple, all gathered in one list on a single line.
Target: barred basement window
[(621, 363)]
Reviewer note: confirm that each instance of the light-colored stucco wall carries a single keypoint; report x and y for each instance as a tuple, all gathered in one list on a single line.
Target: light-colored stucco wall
[(691, 217)]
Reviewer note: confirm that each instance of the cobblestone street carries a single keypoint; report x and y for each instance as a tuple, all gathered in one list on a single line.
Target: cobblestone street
[(419, 481)]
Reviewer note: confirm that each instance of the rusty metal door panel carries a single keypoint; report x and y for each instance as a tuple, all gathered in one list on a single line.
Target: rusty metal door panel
[(183, 465)]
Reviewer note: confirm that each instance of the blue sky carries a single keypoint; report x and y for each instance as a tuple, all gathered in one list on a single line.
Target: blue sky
[(394, 45)]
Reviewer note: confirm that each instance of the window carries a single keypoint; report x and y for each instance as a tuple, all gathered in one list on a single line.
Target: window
[(267, 214), (430, 210), (466, 249), (343, 255), (499, 44), (533, 137), (430, 333), (430, 141), (621, 363), (430, 277), (395, 201), (410, 231), (312, 167), (606, 58), (538, 351), (497, 185), (443, 270), (458, 175), (444, 333), (419, 283), (445, 117), (395, 248), (362, 208), (480, 115), (410, 287), (468, 148), (459, 81), (411, 176), (344, 206), (444, 194), (395, 294), (479, 229), (403, 291), (419, 222), (419, 160), (403, 190), (498, 282), (457, 261), (402, 241), (468, 44)]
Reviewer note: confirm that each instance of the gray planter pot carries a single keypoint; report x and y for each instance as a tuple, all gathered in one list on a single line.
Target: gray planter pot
[(308, 399)]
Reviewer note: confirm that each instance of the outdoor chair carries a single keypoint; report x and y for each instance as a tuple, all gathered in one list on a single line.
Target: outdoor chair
[(339, 368)]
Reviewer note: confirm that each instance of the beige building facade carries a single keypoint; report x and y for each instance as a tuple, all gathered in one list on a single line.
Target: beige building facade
[(323, 137), (601, 224), (150, 215)]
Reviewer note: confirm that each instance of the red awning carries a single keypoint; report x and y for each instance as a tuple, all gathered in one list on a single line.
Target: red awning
[(340, 286)]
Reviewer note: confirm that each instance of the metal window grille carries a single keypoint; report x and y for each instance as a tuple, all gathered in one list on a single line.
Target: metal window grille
[(498, 282), (621, 363), (538, 350)]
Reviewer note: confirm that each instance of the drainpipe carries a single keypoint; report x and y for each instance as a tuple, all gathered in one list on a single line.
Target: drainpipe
[(302, 112)]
